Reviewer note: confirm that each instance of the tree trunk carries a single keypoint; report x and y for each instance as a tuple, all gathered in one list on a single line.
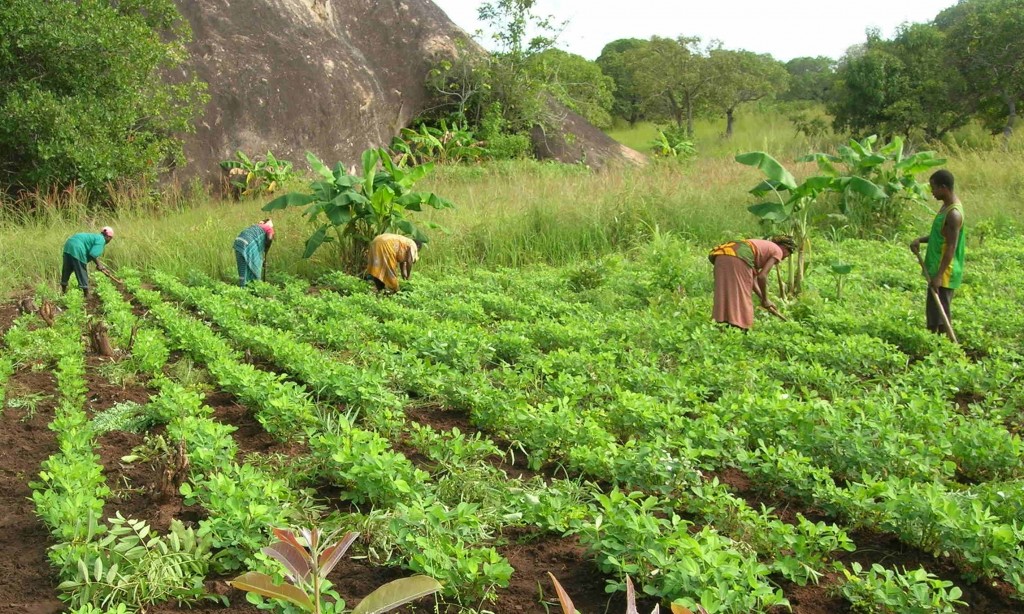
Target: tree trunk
[(1011, 115), (677, 111), (728, 122), (689, 117)]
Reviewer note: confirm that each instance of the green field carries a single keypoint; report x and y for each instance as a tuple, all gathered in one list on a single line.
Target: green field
[(546, 394)]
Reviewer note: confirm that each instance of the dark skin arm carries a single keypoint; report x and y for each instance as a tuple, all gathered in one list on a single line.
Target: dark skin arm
[(761, 284), (406, 267)]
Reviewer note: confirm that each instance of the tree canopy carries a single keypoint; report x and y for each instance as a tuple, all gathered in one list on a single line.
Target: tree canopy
[(86, 96)]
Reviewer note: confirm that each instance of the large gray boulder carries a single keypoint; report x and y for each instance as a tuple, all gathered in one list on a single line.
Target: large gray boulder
[(328, 76)]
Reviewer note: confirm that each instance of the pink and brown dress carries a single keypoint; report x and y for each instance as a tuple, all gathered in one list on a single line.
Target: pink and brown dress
[(737, 263)]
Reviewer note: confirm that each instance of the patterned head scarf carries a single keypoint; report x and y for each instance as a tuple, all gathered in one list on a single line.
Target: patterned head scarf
[(107, 231), (785, 241)]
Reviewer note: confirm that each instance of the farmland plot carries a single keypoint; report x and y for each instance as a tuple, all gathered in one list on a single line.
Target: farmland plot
[(488, 427)]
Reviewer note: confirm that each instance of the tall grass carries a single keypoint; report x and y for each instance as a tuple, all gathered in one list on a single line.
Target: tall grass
[(507, 214)]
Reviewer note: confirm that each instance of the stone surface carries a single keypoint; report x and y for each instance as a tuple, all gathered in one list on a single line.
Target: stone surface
[(328, 76)]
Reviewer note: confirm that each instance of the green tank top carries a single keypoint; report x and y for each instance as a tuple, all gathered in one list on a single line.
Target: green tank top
[(937, 245)]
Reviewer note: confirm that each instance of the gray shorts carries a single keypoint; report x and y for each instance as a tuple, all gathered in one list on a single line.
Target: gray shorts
[(931, 310)]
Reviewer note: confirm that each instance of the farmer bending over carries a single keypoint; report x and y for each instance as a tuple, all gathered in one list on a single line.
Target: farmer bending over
[(79, 249), (389, 255), (251, 247), (741, 268), (944, 259)]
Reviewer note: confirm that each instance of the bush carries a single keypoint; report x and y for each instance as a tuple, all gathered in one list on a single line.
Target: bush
[(84, 98)]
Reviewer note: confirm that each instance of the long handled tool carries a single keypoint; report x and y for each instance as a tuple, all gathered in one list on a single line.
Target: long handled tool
[(107, 272), (775, 312), (935, 297)]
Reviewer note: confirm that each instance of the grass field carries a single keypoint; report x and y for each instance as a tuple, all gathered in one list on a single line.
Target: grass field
[(507, 214)]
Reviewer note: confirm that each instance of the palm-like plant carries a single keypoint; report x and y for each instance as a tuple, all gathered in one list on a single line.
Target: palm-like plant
[(357, 208)]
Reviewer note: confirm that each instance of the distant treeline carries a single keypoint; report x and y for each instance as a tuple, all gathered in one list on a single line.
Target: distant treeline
[(931, 78)]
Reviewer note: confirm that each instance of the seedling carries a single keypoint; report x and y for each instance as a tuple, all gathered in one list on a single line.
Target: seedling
[(841, 270), (569, 608), (307, 566)]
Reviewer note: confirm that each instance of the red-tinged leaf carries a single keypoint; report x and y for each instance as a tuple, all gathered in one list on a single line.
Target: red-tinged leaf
[(679, 609), (563, 597), (396, 593), (333, 554), (289, 538), (262, 584), (295, 561)]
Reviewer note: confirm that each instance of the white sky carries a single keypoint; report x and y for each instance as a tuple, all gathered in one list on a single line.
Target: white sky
[(784, 28)]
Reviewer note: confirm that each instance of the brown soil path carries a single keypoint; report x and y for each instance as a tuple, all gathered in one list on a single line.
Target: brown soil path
[(26, 578)]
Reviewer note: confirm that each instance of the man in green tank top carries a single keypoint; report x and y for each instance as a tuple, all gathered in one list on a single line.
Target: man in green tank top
[(944, 259)]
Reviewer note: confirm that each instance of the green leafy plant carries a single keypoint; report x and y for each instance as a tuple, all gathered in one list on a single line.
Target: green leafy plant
[(307, 564), (29, 402), (357, 208), (254, 177), (790, 203), (888, 592), (135, 566), (673, 143), (127, 416), (440, 144), (840, 270), (887, 169)]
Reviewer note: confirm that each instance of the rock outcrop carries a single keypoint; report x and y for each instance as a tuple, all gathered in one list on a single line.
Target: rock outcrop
[(328, 76)]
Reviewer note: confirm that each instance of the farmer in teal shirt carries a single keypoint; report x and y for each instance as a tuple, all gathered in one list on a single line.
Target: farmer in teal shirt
[(79, 249)]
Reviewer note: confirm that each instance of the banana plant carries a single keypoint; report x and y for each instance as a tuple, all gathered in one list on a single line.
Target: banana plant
[(356, 208), (885, 168), (258, 176), (789, 204), (307, 566)]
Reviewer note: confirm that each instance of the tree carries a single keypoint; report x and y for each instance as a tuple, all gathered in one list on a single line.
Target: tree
[(986, 41), (576, 82), (675, 73), (628, 100), (470, 85), (903, 86), (743, 76), (872, 93), (939, 98), (810, 78), (85, 94)]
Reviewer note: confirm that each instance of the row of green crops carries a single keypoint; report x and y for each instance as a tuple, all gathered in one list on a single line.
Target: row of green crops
[(609, 373), (466, 342)]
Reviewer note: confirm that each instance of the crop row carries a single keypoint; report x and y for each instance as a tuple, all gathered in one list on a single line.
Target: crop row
[(813, 542)]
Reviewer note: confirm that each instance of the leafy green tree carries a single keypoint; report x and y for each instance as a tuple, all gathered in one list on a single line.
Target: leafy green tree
[(628, 100), (674, 76), (872, 94), (810, 78), (470, 85), (939, 98), (576, 82), (904, 86), (986, 41), (85, 93), (743, 76)]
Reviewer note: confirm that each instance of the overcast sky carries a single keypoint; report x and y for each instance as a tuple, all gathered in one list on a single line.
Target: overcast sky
[(784, 28)]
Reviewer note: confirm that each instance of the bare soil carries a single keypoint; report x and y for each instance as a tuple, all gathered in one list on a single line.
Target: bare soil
[(27, 582)]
